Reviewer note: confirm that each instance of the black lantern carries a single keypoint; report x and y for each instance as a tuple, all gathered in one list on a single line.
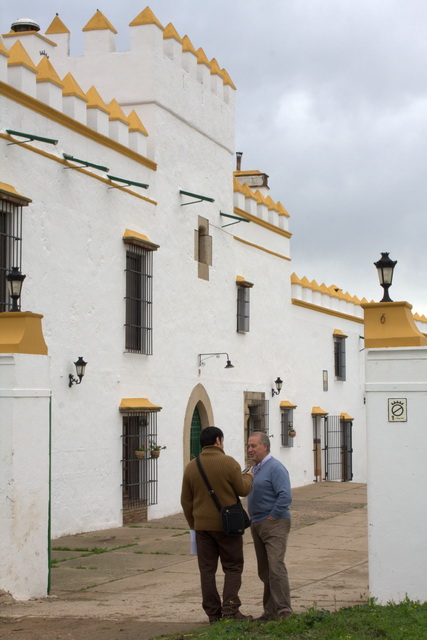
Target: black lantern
[(80, 365), (278, 382), (14, 281), (385, 268)]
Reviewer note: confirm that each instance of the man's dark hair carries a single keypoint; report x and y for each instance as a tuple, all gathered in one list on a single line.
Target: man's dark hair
[(209, 435)]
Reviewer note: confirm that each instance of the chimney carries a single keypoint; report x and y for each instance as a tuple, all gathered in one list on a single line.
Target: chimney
[(238, 160), (24, 24)]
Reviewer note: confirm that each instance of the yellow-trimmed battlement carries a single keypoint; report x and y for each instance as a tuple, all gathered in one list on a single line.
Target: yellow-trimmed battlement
[(309, 293)]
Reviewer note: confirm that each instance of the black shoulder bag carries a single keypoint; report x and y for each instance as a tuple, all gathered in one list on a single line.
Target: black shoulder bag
[(234, 519)]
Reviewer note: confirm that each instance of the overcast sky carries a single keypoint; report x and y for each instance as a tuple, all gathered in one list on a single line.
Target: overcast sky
[(331, 104)]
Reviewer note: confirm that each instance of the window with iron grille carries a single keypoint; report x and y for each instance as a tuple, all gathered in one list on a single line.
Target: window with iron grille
[(286, 425), (243, 309), (339, 357), (139, 300), (10, 245), (256, 412), (139, 476)]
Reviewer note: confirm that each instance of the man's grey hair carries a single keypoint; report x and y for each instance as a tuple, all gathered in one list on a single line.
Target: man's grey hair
[(263, 438)]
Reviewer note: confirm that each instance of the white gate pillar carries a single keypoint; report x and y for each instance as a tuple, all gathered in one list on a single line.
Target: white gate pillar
[(396, 394), (24, 456)]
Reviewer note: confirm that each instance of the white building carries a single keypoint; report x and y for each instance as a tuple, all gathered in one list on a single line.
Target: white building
[(146, 283)]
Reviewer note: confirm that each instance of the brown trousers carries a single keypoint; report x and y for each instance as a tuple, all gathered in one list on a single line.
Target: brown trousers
[(270, 540), (211, 546)]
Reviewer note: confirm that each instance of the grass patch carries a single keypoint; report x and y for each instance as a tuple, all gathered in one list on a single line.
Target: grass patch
[(404, 621), (88, 551), (84, 552)]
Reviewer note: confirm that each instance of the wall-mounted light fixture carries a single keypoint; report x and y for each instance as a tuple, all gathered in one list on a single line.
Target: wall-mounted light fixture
[(385, 268), (206, 356), (14, 281), (80, 365), (278, 382)]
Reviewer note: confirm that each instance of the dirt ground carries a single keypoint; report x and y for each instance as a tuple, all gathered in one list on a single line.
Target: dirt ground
[(87, 629)]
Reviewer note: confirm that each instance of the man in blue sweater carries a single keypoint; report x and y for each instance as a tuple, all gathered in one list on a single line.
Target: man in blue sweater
[(271, 522)]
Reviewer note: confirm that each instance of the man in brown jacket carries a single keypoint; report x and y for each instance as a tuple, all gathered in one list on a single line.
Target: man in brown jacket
[(228, 482)]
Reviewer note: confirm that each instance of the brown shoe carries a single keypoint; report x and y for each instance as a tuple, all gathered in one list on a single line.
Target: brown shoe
[(285, 614)]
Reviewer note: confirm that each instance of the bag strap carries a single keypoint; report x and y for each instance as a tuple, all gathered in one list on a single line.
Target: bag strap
[(211, 491)]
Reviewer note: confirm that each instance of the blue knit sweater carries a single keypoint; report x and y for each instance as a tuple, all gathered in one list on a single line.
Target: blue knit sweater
[(271, 493)]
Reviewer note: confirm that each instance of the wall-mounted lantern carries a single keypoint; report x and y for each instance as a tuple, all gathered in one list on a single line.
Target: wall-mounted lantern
[(15, 280), (275, 392), (80, 365)]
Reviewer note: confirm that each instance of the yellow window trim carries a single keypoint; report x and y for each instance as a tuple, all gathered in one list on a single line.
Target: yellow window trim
[(286, 404), (8, 192), (339, 334), (344, 417), (129, 405), (241, 282), (133, 237), (317, 411)]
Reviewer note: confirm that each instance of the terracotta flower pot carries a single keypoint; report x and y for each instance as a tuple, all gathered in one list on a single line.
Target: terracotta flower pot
[(139, 455), (155, 453), (292, 433)]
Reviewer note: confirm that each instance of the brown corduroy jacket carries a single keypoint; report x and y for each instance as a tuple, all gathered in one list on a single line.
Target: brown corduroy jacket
[(226, 479)]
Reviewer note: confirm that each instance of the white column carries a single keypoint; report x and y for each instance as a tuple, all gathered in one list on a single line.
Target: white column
[(24, 474)]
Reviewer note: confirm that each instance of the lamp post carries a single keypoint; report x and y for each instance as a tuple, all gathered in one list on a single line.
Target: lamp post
[(14, 282), (385, 267)]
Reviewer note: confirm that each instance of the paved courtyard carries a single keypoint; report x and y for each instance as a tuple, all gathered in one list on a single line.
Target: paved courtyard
[(140, 581)]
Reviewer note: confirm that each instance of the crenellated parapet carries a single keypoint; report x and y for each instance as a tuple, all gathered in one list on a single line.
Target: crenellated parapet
[(311, 294), (258, 204), (328, 298), (161, 70)]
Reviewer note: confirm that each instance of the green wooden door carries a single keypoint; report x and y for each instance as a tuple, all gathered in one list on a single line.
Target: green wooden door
[(196, 428)]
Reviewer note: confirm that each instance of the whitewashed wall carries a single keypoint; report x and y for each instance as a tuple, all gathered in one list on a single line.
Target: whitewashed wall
[(397, 476), (74, 258)]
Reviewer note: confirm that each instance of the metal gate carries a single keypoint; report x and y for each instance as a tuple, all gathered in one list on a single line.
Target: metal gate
[(196, 430), (338, 449), (139, 476)]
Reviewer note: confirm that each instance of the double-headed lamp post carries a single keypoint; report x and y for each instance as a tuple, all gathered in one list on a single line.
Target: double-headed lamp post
[(385, 267)]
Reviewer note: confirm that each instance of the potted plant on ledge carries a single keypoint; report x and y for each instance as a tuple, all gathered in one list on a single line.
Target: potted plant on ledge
[(155, 450), (141, 451)]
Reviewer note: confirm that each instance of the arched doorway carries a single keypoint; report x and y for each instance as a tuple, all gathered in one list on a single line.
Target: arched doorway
[(198, 415)]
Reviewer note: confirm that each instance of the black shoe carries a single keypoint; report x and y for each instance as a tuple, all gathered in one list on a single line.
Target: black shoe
[(264, 618), (237, 616), (213, 619)]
